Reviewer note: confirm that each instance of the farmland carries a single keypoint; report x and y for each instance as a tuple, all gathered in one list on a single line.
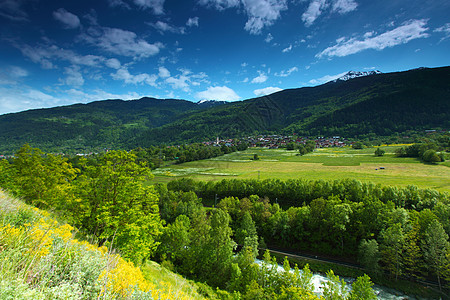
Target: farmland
[(326, 164)]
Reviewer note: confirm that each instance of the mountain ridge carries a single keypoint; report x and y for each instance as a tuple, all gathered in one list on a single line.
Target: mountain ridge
[(360, 106), (355, 74)]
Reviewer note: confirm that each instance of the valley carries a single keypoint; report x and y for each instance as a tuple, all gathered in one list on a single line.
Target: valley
[(325, 163)]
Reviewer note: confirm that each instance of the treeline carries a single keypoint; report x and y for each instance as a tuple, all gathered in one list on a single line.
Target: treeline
[(296, 192), (424, 151), (155, 156), (399, 231)]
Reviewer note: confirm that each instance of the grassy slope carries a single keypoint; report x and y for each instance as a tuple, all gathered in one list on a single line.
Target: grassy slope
[(327, 164), (40, 259)]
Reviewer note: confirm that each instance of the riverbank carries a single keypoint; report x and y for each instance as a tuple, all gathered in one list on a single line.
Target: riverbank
[(414, 290)]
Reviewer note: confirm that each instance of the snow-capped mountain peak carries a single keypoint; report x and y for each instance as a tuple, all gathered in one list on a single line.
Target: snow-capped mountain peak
[(355, 74), (207, 103)]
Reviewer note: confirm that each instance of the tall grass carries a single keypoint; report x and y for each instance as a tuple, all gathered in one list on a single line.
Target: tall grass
[(40, 259)]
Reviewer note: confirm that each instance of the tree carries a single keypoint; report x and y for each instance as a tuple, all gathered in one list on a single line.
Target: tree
[(436, 249), (362, 289), (40, 179), (392, 246), (255, 157), (412, 254), (290, 146), (334, 288), (431, 156), (358, 145), (8, 176), (379, 152), (246, 234), (112, 204), (220, 247), (369, 255), (175, 240)]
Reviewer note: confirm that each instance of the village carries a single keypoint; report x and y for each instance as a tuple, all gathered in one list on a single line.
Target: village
[(281, 141)]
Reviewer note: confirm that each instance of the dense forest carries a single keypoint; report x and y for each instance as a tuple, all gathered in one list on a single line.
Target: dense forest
[(402, 232), (392, 231), (377, 105)]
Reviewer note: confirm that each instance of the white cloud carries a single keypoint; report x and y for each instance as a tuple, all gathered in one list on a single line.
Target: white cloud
[(45, 54), (124, 75), (285, 50), (344, 6), (318, 7), (245, 80), (286, 73), (69, 20), (18, 72), (85, 60), (113, 63), (37, 55), (118, 3), (269, 38), (220, 4), (261, 78), (12, 10), (266, 91), (74, 76), (192, 22), (180, 82), (326, 78), (222, 93), (410, 30), (170, 95), (98, 94), (163, 72), (185, 79), (445, 29), (22, 98), (122, 42), (261, 13), (313, 12), (12, 75), (156, 5), (166, 27)]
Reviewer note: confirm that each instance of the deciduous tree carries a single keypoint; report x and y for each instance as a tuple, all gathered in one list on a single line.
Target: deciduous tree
[(112, 203), (436, 248)]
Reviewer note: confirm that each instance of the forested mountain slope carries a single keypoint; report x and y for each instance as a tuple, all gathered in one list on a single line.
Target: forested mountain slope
[(380, 104), (108, 123)]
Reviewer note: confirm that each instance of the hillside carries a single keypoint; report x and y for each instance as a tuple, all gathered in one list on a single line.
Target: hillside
[(41, 259), (96, 125), (380, 104)]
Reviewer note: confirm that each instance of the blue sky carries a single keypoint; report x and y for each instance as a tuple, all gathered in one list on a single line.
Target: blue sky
[(55, 53)]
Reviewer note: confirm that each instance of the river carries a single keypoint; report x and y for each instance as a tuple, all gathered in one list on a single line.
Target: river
[(382, 292)]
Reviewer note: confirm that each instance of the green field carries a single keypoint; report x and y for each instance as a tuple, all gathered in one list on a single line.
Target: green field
[(327, 164)]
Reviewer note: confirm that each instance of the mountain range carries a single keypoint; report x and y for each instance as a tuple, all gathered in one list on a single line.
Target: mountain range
[(357, 104)]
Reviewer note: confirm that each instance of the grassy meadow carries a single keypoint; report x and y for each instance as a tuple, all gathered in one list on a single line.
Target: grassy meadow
[(326, 164)]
